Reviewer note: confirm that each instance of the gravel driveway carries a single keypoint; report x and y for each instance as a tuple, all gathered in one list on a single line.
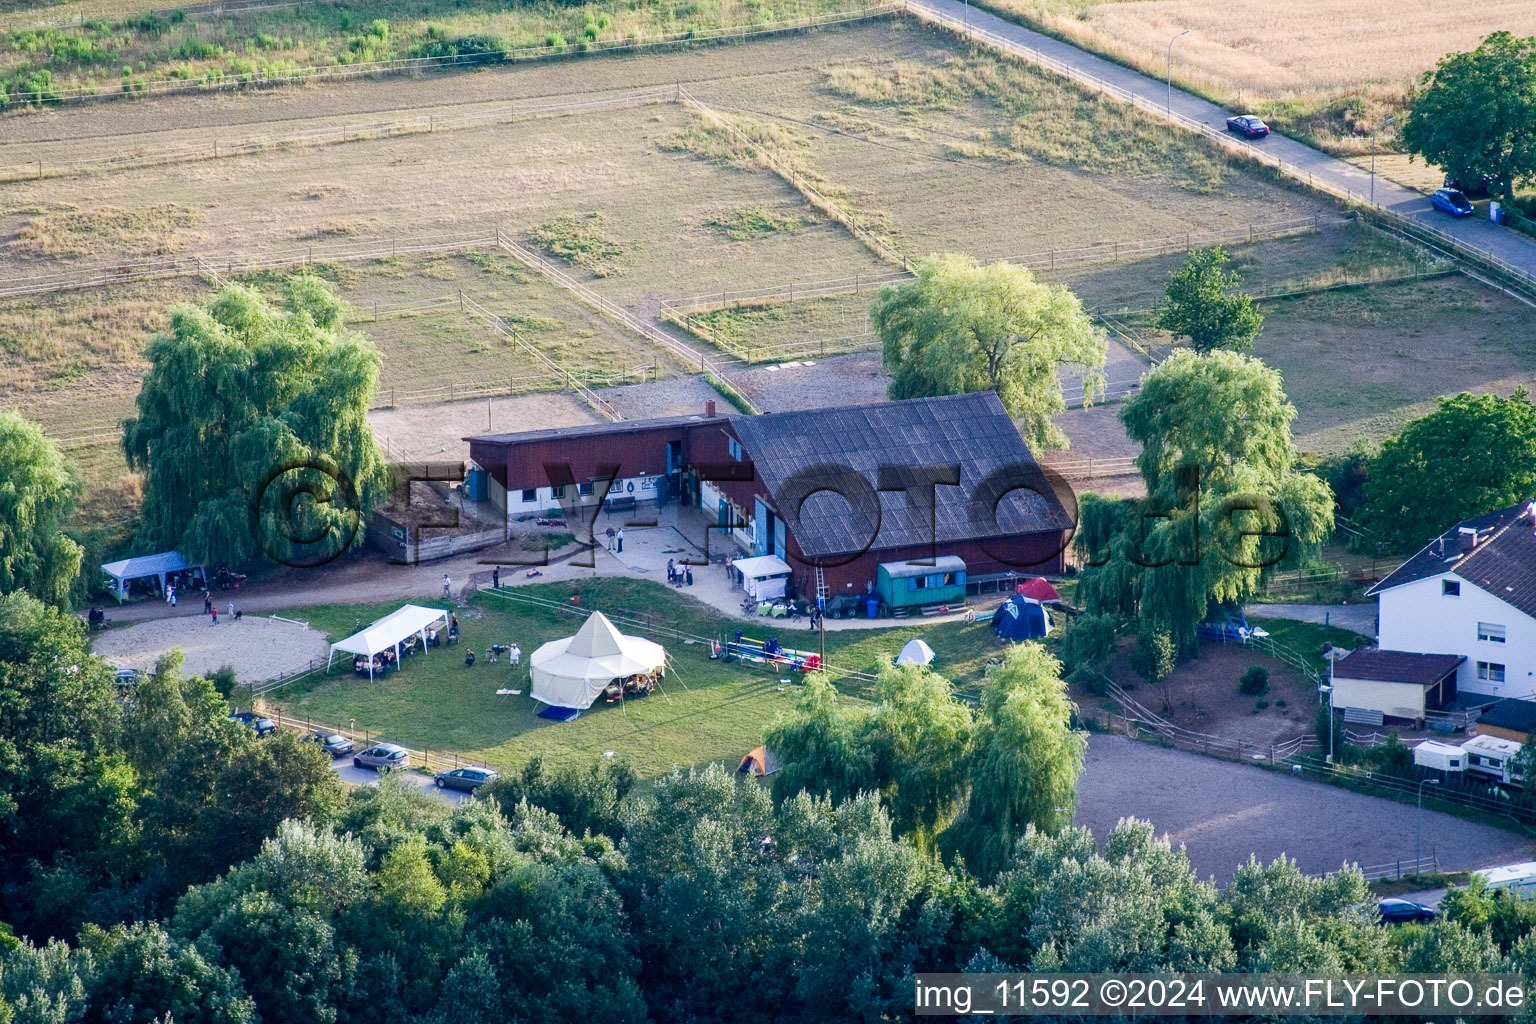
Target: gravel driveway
[(1222, 811), (1357, 618)]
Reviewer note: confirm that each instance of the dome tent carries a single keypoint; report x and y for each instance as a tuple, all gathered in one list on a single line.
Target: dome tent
[(1021, 618), (916, 652), (572, 672)]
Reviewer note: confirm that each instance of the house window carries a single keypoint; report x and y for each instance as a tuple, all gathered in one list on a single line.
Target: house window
[(1450, 588), (585, 489), (1488, 633), (557, 491), (530, 494), (734, 447), (1490, 672)]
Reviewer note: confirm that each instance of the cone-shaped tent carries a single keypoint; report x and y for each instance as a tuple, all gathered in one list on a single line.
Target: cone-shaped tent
[(572, 672), (917, 652)]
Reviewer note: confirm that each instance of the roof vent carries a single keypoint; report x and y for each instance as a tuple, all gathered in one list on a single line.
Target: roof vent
[(1466, 539)]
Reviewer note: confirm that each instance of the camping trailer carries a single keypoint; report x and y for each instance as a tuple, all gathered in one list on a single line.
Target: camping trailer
[(1443, 757), (1519, 879), (1493, 757), (903, 585)]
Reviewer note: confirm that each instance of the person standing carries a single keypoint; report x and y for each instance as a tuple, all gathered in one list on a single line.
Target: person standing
[(447, 585), (171, 597), (496, 577), (207, 602), (515, 655), (215, 612), (619, 538), (231, 610)]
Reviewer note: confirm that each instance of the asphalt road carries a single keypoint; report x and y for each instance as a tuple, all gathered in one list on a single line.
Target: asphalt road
[(1357, 618), (353, 776), (1221, 812), (1509, 246)]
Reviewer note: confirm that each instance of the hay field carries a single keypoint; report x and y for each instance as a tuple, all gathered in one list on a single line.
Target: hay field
[(1303, 63)]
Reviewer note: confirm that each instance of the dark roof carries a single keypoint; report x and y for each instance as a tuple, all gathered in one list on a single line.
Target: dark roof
[(1396, 666), (1513, 714), (1503, 562), (595, 429), (972, 431)]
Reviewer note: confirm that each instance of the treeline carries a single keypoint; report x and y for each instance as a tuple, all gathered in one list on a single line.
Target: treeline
[(163, 864)]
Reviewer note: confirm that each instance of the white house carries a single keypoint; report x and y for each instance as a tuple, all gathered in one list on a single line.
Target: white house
[(1472, 592)]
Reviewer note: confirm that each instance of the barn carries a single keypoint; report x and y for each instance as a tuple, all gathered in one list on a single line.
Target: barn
[(839, 490)]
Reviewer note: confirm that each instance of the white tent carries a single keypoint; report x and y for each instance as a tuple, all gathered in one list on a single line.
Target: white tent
[(917, 652), (389, 632), (572, 672), (763, 577)]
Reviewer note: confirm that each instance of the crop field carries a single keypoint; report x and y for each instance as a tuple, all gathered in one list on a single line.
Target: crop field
[(708, 710), (1325, 68)]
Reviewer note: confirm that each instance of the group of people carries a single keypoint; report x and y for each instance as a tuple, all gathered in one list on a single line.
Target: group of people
[(642, 685), (380, 664), (494, 653), (679, 575)]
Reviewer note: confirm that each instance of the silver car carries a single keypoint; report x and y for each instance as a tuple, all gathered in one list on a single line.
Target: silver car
[(383, 757)]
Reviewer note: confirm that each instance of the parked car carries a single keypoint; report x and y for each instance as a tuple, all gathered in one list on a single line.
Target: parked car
[(261, 724), (1451, 201), (383, 757), (467, 779), (1395, 911), (333, 743), (1481, 187), (1247, 125)]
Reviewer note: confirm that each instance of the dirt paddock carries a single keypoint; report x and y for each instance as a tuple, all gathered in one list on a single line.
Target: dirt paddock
[(258, 648)]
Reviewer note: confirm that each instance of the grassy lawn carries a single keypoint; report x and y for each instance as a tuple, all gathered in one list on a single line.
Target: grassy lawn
[(707, 711), (1307, 639)]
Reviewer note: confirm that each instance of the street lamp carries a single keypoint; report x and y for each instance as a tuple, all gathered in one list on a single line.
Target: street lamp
[(1170, 69), (1374, 130), (1418, 822), (1328, 689)]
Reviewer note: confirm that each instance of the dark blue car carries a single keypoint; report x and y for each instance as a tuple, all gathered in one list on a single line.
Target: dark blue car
[(1451, 201)]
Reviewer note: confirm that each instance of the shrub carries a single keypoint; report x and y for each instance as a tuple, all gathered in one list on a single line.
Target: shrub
[(1279, 703), (555, 40), (1155, 655), (1255, 681), (1087, 643), (1260, 705)]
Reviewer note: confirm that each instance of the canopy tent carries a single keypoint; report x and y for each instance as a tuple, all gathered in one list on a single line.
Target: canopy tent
[(390, 631), (572, 672), (917, 652), (120, 573), (1040, 589), (759, 762), (1021, 618), (763, 577)]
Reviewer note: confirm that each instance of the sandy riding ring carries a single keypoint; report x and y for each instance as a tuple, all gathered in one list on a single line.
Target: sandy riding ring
[(258, 648)]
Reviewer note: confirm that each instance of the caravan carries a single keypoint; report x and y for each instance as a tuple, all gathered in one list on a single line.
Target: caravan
[(1493, 757)]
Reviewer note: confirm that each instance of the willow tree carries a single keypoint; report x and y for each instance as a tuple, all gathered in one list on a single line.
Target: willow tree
[(1023, 764), (1225, 505), (37, 495), (961, 326), (252, 429)]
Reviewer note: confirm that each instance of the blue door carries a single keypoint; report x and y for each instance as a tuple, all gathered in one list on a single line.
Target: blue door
[(762, 526), (725, 513), (778, 538)]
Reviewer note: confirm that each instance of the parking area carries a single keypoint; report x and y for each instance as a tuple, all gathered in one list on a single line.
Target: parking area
[(1221, 812)]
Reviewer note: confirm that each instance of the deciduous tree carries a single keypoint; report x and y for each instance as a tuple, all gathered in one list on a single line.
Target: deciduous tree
[(962, 326), (1204, 306), (37, 495), (1475, 113)]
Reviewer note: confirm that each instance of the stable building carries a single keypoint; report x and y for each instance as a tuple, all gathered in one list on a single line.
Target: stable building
[(840, 490), (1371, 685)]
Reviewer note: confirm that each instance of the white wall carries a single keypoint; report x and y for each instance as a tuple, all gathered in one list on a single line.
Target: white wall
[(1399, 700), (641, 488), (1417, 617)]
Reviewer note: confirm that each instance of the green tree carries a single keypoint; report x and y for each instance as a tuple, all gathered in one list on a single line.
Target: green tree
[(37, 494), (919, 740), (255, 414), (820, 745), (1203, 306), (962, 326), (1225, 504), (1475, 113), (1474, 454), (1024, 760), (143, 976)]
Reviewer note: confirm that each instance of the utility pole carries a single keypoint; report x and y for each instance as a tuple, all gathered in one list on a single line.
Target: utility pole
[(1373, 155), (1170, 70)]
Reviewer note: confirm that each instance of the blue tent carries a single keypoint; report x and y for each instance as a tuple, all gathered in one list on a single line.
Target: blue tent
[(1021, 618)]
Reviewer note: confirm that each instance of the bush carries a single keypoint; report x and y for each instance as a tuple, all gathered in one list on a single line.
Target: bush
[(1088, 642), (1155, 655), (1260, 705), (1255, 681)]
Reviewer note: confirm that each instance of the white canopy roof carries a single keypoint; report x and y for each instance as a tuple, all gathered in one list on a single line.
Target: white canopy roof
[(917, 652), (572, 672), (761, 567), (390, 630)]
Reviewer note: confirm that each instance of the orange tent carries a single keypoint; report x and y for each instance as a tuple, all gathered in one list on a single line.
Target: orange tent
[(759, 762)]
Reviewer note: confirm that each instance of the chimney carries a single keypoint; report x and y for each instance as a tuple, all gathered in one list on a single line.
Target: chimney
[(709, 409), (1530, 511), (1466, 539)]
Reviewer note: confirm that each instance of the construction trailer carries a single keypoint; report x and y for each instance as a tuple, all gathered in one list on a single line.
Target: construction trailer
[(904, 587)]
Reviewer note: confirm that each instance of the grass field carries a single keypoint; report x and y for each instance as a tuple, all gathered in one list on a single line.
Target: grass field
[(708, 711), (1324, 69)]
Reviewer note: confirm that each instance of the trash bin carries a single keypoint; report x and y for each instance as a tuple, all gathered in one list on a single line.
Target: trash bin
[(873, 604)]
